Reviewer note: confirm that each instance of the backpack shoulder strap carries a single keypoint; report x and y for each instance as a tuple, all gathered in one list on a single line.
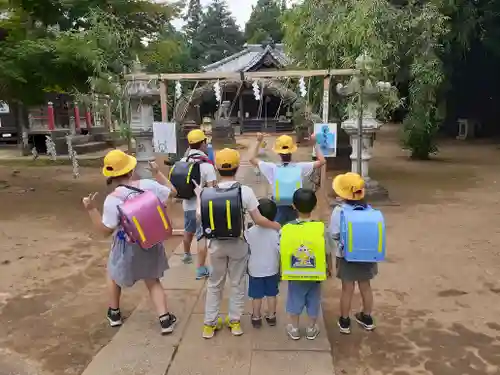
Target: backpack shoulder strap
[(133, 188)]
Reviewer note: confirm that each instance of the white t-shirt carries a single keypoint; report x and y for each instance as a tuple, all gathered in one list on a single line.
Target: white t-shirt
[(110, 215), (269, 169), (334, 230), (208, 174), (248, 198), (264, 251)]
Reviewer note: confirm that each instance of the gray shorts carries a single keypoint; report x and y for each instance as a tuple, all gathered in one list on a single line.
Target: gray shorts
[(355, 271), (191, 225)]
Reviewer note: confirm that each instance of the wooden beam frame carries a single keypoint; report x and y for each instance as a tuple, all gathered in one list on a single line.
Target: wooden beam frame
[(237, 76)]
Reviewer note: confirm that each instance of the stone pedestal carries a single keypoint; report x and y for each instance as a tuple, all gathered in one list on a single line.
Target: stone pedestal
[(142, 97)]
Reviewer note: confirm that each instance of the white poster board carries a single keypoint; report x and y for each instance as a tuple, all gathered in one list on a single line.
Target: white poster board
[(326, 137), (4, 108), (164, 137)]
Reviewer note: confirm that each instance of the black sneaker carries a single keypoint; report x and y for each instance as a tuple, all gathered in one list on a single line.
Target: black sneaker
[(256, 322), (271, 320), (114, 317), (344, 325), (365, 321), (167, 323)]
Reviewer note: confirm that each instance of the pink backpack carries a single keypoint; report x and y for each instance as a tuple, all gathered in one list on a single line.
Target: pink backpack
[(144, 219)]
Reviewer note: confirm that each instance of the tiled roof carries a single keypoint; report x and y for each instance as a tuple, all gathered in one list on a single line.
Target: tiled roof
[(248, 57)]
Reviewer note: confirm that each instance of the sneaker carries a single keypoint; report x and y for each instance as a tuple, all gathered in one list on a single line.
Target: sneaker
[(271, 320), (187, 258), (344, 325), (234, 326), (293, 332), (312, 332), (365, 321), (256, 321), (167, 323), (202, 272), (209, 330), (114, 317)]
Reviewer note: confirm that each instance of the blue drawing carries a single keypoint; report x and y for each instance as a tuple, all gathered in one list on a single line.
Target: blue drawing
[(326, 140)]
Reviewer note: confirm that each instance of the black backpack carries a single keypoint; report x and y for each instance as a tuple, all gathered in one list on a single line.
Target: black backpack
[(183, 173), (222, 212)]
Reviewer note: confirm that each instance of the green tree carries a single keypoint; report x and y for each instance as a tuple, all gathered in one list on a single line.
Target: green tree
[(193, 19), (265, 22), (219, 35), (404, 42)]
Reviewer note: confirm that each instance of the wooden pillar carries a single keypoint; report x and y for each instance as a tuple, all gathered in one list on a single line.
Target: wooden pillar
[(76, 111), (164, 101), (326, 110), (88, 118), (51, 116), (242, 113)]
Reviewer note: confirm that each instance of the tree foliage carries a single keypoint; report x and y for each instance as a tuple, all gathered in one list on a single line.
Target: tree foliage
[(219, 36), (265, 22), (404, 42)]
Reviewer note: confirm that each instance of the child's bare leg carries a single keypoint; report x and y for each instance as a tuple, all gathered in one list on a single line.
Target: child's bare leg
[(257, 307), (346, 298), (157, 295), (294, 320), (114, 294), (366, 292), (271, 305)]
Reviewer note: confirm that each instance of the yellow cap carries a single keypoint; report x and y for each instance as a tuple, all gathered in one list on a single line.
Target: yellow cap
[(349, 186), (227, 159), (285, 145), (196, 136), (117, 163)]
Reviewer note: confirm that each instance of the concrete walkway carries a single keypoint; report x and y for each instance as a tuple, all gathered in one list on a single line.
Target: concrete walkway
[(139, 349)]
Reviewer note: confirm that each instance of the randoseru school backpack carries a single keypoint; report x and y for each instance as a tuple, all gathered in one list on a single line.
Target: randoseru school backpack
[(183, 173), (143, 218), (362, 234), (287, 180), (222, 212)]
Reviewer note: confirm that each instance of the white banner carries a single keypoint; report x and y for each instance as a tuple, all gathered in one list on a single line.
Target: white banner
[(164, 137), (4, 107)]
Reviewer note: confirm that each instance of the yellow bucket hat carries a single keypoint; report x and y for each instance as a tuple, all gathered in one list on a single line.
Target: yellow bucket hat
[(349, 186), (284, 145), (117, 163), (227, 159), (196, 136)]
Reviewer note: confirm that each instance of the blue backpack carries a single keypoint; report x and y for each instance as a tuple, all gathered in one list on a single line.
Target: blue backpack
[(287, 180), (362, 234)]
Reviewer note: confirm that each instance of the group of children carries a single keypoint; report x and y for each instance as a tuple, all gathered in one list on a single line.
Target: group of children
[(283, 243)]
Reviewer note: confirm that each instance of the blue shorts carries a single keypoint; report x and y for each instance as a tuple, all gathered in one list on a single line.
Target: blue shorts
[(304, 294), (191, 225), (285, 214), (260, 287)]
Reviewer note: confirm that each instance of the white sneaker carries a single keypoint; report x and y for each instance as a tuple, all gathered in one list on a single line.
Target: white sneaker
[(293, 332)]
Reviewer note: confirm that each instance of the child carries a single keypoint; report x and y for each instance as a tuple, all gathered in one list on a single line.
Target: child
[(128, 262), (263, 266), (284, 147), (305, 294), (350, 187), (198, 148), (229, 257)]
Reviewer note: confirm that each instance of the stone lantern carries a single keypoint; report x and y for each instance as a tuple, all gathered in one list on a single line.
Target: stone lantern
[(362, 128), (142, 96)]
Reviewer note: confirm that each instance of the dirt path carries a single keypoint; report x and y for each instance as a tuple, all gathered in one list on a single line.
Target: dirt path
[(438, 295), (52, 272)]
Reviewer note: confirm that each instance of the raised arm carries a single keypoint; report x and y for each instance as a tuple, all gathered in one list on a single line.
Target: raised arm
[(95, 216), (161, 178), (320, 158), (254, 150)]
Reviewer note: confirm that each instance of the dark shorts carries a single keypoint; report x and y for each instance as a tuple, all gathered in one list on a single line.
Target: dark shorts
[(285, 214), (191, 225), (355, 271), (260, 287), (304, 294)]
